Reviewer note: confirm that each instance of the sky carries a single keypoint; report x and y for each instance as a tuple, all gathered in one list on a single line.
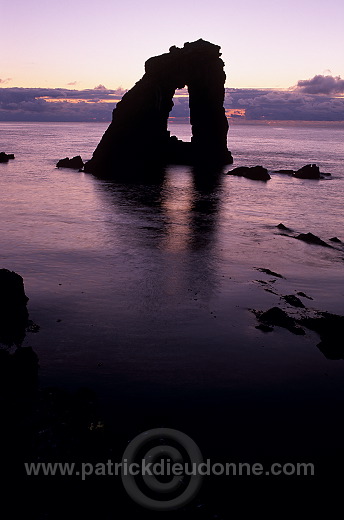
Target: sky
[(84, 43), (79, 45)]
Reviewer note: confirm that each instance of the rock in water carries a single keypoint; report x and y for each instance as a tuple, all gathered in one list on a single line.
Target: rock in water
[(277, 316), (4, 157), (282, 226), (139, 123), (330, 328), (312, 239), (13, 311), (293, 300), (256, 173), (76, 163), (310, 171)]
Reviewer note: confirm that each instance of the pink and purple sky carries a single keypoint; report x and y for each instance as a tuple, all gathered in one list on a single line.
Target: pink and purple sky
[(80, 44), (84, 43)]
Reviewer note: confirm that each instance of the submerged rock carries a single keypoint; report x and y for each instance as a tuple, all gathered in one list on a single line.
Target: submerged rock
[(286, 172), (300, 293), (257, 173), (335, 239), (268, 271), (309, 171), (264, 328), (76, 163)]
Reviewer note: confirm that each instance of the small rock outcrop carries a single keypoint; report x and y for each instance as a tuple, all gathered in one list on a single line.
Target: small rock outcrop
[(76, 163), (293, 300), (256, 173), (310, 171), (283, 227), (5, 157), (312, 239), (13, 312), (139, 122), (277, 316)]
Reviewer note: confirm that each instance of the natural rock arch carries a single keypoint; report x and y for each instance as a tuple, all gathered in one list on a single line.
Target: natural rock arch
[(138, 131)]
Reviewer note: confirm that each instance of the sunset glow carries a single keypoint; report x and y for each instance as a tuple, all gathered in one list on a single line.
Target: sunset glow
[(83, 43)]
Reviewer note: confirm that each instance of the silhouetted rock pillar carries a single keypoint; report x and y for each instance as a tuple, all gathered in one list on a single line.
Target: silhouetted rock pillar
[(138, 137)]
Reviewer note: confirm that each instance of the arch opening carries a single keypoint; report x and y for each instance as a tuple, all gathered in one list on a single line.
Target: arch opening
[(178, 123)]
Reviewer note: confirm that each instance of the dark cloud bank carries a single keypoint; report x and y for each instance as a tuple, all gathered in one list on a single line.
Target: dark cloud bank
[(316, 99)]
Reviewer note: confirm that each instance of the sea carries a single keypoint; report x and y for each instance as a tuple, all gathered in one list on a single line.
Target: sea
[(146, 293)]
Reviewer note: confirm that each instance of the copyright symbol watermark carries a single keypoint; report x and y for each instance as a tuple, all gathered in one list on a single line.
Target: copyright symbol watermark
[(153, 469)]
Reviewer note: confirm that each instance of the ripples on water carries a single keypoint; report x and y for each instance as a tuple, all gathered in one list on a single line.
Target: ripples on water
[(146, 289), (128, 254)]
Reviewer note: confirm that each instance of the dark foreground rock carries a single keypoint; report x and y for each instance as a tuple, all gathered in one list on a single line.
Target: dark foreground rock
[(256, 173), (277, 316), (309, 171), (76, 163), (18, 371), (5, 157), (312, 239), (139, 122), (13, 312), (330, 328)]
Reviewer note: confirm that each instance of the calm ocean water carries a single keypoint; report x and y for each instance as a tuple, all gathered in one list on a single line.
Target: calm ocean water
[(127, 268), (143, 292)]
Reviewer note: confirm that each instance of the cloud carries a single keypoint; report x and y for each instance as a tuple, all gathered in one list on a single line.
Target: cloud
[(285, 105), (100, 87), (62, 104), (39, 104), (72, 83), (322, 85), (3, 81)]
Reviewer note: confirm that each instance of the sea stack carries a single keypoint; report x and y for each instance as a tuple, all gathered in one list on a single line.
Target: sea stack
[(138, 135)]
